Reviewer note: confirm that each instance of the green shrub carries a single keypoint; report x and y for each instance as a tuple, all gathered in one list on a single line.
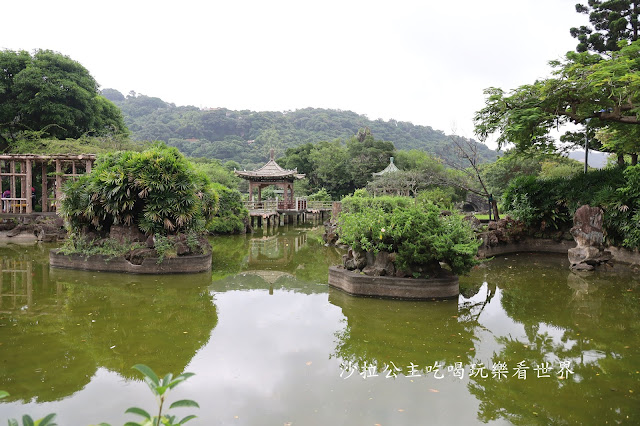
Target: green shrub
[(419, 234), (387, 203), (157, 190), (231, 215), (321, 195), (551, 203), (80, 244)]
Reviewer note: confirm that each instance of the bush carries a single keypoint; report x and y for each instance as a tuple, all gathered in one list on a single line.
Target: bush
[(358, 203), (419, 234), (321, 195), (231, 215), (156, 190), (551, 203)]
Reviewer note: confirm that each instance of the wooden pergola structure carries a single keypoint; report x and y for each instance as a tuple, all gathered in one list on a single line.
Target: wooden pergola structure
[(17, 173), (272, 174)]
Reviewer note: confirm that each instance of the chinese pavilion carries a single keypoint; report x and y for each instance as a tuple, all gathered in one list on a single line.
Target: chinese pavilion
[(272, 174)]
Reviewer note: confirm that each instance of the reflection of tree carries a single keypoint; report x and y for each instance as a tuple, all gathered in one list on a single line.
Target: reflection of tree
[(585, 319), (161, 324), (80, 321), (380, 331), (229, 254)]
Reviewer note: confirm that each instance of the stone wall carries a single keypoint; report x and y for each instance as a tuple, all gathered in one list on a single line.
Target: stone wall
[(149, 265), (403, 288)]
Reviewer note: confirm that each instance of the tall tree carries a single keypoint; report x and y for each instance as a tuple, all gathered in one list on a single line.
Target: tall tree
[(612, 21), (586, 88), (50, 92)]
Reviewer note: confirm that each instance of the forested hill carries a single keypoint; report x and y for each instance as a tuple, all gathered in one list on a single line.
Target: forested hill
[(246, 136)]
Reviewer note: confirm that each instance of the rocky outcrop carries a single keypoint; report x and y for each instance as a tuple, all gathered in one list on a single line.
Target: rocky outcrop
[(33, 228), (383, 264), (127, 233), (588, 233), (330, 235)]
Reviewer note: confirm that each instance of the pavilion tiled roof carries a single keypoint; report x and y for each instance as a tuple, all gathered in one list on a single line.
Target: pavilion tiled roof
[(389, 169), (270, 171)]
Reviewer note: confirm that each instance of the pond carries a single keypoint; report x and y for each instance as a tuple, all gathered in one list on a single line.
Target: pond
[(527, 342)]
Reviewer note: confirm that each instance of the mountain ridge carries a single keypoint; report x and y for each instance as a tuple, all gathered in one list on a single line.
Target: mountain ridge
[(246, 136)]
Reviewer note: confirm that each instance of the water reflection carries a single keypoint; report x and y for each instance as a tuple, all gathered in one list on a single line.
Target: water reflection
[(58, 327), (276, 353), (555, 315), (381, 331), (286, 257)]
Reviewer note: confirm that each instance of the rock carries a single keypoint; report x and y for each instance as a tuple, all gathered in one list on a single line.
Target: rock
[(151, 242), (473, 222), (15, 231), (589, 236), (182, 249), (587, 226), (384, 264), (359, 259), (138, 255), (330, 235), (124, 233)]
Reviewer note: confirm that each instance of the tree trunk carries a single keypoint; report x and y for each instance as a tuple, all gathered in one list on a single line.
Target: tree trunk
[(634, 158), (494, 206), (621, 160)]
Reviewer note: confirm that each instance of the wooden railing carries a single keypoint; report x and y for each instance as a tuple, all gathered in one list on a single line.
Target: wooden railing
[(319, 205), (299, 204), (14, 205), (261, 205)]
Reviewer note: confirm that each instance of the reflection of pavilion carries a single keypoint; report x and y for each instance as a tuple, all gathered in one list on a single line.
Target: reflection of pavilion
[(275, 251), (16, 285)]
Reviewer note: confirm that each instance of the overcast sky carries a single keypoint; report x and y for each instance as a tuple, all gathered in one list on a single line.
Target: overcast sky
[(421, 61)]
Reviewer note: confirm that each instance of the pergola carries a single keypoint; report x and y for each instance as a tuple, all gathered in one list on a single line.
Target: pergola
[(17, 173), (272, 174)]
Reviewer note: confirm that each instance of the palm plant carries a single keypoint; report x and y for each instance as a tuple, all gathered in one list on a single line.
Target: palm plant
[(156, 190)]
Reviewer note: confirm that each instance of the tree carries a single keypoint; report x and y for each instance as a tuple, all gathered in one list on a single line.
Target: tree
[(584, 87), (366, 156), (51, 92), (612, 20)]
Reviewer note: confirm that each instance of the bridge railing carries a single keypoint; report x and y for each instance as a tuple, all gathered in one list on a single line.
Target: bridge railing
[(299, 204), (261, 205), (319, 205)]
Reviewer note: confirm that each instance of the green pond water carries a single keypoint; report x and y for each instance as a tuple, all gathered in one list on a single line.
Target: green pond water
[(271, 344)]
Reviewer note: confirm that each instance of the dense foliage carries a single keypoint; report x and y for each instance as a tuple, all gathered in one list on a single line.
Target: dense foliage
[(52, 93), (246, 136), (598, 92), (551, 203), (417, 232), (499, 174), (157, 190), (612, 21), (231, 215)]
